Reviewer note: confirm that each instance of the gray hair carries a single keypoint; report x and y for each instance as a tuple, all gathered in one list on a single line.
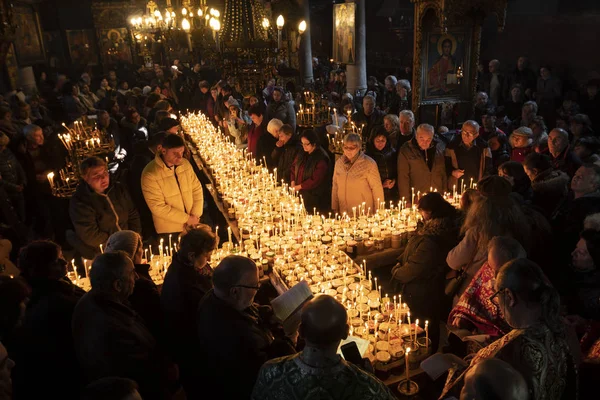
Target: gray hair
[(370, 98), (394, 120), (427, 128), (495, 62), (482, 94), (407, 113), (353, 138), (403, 83), (472, 123), (274, 124), (533, 105), (391, 78), (506, 248), (108, 268), (230, 272), (31, 129)]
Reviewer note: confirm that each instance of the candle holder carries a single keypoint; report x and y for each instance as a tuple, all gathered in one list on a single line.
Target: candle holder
[(408, 387)]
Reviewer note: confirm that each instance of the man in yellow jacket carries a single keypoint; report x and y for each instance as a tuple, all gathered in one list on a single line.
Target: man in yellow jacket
[(172, 189)]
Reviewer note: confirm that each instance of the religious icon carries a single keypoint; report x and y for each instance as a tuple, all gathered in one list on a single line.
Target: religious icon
[(114, 47), (28, 42), (81, 47), (344, 33), (445, 56)]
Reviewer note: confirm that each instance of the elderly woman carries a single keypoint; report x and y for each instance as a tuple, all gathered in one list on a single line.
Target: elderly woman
[(267, 144), (235, 124), (391, 99), (381, 150), (537, 346), (403, 89), (311, 173), (422, 266), (391, 123), (356, 180)]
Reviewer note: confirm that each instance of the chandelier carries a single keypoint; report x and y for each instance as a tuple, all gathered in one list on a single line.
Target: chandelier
[(188, 18)]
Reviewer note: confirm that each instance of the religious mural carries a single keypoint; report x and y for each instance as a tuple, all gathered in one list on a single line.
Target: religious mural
[(344, 33), (115, 46), (28, 42)]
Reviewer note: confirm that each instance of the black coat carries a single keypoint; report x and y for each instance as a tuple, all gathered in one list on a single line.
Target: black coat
[(285, 157), (567, 161), (387, 164), (134, 185), (11, 172), (420, 272), (111, 339), (95, 217), (265, 147), (145, 300), (44, 351), (370, 122), (233, 344), (320, 196), (550, 189), (183, 288)]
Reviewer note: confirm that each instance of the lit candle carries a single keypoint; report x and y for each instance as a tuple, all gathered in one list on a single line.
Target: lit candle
[(409, 325), (229, 233), (427, 334), (406, 357), (101, 250)]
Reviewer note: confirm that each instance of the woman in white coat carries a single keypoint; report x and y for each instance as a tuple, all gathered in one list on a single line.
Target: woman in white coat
[(355, 179)]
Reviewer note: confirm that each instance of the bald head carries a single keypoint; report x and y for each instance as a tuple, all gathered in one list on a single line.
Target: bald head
[(324, 322), (493, 379)]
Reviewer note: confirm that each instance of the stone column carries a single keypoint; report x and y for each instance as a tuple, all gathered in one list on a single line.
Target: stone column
[(305, 50), (356, 74)]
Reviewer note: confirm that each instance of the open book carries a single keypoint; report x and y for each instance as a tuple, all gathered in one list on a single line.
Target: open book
[(287, 306)]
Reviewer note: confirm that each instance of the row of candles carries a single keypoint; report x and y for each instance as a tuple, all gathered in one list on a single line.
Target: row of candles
[(278, 231)]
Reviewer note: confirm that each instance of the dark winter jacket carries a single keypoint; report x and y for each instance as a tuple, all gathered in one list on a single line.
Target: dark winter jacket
[(265, 147), (145, 300), (387, 164), (232, 344), (369, 122), (183, 288), (282, 110), (12, 174), (285, 157), (420, 272), (550, 188), (132, 133), (566, 161), (317, 173), (454, 162), (111, 339), (44, 352), (420, 169), (97, 216)]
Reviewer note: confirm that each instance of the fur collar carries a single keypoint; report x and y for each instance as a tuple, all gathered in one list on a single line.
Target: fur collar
[(441, 226)]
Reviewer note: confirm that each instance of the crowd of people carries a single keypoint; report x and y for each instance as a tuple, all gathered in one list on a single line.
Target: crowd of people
[(513, 274)]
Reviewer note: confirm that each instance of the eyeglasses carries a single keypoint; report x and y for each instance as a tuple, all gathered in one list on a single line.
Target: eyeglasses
[(470, 134), (305, 144), (492, 298), (248, 287), (350, 148)]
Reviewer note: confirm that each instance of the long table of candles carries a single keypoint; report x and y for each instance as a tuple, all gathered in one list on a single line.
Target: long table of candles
[(295, 244)]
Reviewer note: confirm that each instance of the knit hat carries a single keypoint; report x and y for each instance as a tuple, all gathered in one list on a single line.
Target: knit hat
[(146, 90), (232, 102), (494, 186), (127, 241), (523, 131)]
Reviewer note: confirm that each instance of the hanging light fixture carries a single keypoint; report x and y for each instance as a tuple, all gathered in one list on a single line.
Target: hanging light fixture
[(302, 27)]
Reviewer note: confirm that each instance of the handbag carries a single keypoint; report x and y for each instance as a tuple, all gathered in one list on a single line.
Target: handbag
[(455, 279)]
